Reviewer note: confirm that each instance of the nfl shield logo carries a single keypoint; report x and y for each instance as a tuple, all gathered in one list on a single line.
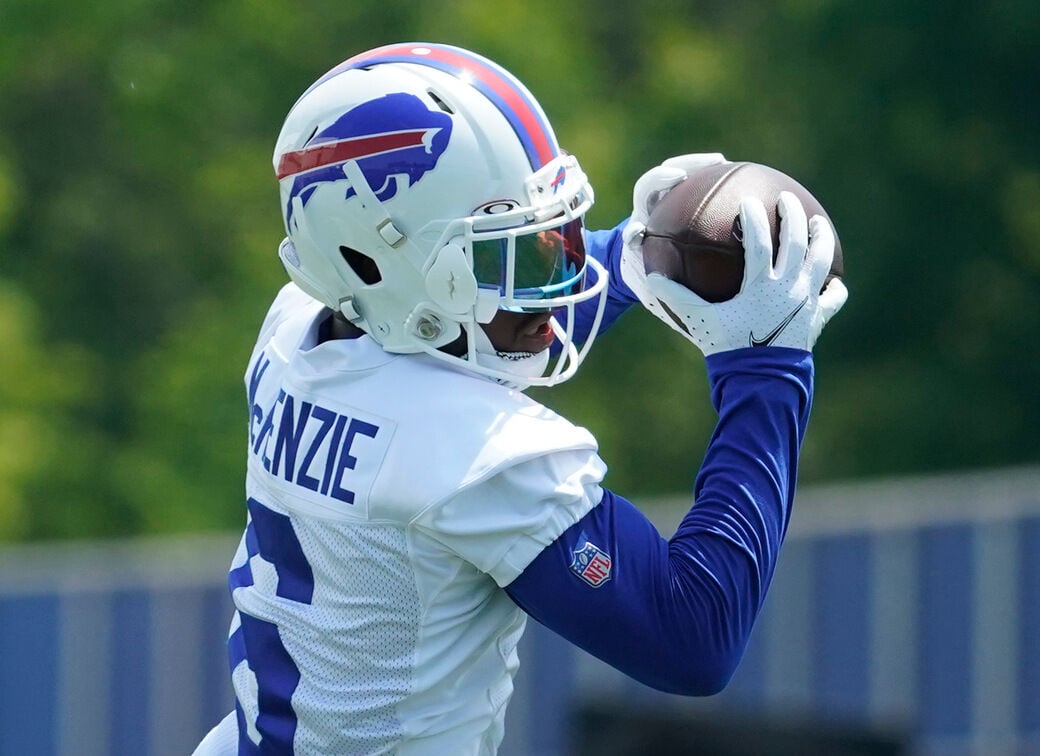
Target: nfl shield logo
[(591, 564)]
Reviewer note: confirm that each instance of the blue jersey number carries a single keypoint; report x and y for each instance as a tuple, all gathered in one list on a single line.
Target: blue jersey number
[(270, 536)]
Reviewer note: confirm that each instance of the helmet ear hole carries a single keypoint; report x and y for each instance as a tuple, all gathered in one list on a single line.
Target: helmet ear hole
[(364, 267)]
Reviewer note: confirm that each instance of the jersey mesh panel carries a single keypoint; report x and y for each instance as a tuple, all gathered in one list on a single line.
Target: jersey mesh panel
[(359, 637)]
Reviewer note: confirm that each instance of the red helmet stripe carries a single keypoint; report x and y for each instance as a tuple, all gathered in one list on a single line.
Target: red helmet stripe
[(503, 90), (327, 153)]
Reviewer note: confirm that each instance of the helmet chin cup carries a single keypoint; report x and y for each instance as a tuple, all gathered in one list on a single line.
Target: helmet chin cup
[(450, 282)]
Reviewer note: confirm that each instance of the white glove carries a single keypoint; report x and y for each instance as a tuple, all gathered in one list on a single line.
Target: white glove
[(647, 192), (778, 304)]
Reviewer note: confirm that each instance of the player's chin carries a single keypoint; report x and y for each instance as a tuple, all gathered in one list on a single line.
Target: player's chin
[(521, 333), (537, 335)]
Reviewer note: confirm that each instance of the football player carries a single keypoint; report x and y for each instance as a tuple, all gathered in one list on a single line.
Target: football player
[(408, 505)]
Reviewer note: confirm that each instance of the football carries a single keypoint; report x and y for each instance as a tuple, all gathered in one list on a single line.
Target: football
[(693, 234)]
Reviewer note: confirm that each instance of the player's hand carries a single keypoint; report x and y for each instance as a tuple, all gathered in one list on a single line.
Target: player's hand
[(779, 304), (647, 192)]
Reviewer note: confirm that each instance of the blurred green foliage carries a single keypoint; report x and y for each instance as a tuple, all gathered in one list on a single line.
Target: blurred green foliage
[(139, 221)]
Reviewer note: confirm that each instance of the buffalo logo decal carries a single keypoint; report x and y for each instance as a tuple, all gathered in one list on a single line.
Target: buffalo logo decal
[(393, 139)]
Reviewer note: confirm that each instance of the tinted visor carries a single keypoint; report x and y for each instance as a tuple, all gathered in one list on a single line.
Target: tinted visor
[(546, 264)]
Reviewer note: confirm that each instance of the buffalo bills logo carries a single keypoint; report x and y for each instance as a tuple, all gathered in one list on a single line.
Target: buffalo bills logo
[(591, 563), (558, 179), (394, 139)]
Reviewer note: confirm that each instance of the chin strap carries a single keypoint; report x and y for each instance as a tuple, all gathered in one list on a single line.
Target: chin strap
[(523, 365)]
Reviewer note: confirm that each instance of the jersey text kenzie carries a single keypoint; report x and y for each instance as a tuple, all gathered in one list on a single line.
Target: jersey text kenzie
[(306, 444)]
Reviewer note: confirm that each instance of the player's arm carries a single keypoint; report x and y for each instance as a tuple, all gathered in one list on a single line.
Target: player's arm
[(605, 246), (676, 614)]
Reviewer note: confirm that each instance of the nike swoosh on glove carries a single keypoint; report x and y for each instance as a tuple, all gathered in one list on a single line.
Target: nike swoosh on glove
[(779, 304)]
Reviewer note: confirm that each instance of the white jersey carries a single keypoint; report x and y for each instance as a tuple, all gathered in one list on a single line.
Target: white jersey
[(390, 497)]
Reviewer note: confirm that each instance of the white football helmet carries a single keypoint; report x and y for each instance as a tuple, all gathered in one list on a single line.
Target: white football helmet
[(423, 190)]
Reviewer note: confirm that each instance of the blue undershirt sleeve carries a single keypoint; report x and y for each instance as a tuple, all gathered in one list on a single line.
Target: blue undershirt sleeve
[(605, 246), (676, 614)]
